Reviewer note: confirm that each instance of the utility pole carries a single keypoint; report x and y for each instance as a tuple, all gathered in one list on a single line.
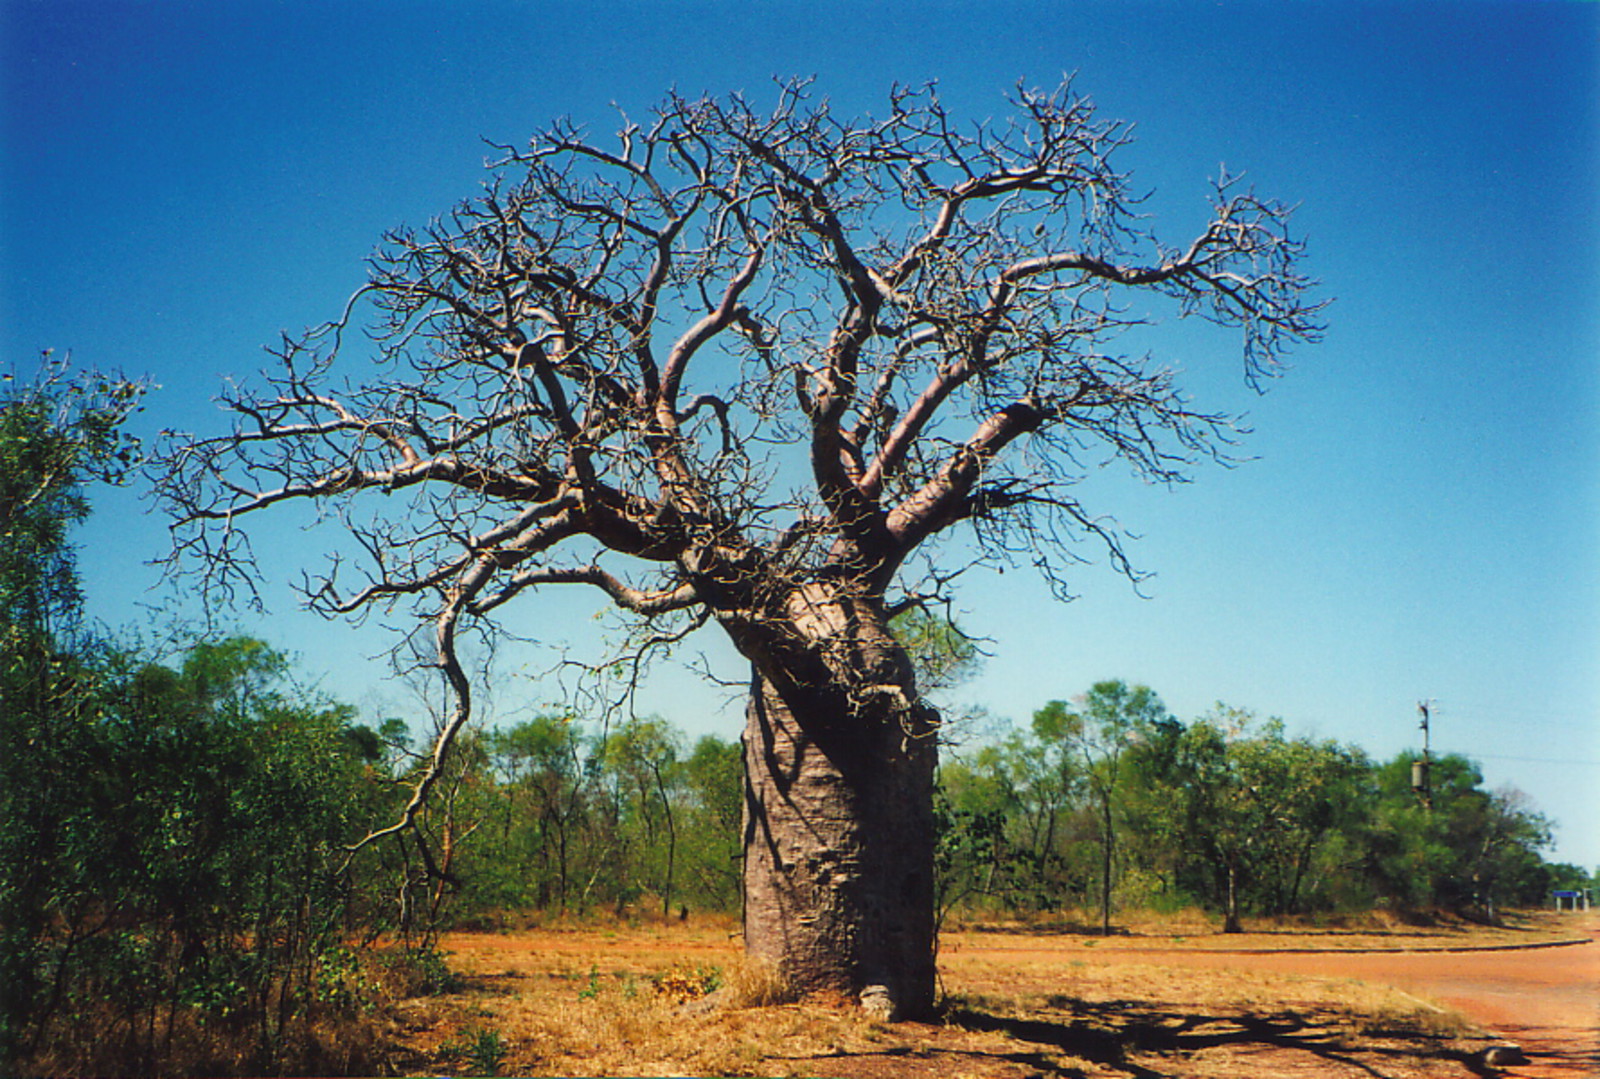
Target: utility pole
[(1421, 778)]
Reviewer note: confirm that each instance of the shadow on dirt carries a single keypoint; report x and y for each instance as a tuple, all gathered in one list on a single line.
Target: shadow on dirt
[(1126, 1035), (1056, 927), (1130, 1039)]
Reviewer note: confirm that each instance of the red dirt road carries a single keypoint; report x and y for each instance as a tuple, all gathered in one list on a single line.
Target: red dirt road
[(1546, 1000)]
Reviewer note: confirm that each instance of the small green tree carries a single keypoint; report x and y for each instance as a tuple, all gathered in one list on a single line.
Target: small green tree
[(1048, 781), (943, 655), (1155, 836), (1472, 850), (1504, 865), (1248, 809), (58, 432), (196, 898), (642, 766), (1098, 728), (974, 807), (171, 838), (1008, 816), (713, 778), (1301, 792), (544, 803)]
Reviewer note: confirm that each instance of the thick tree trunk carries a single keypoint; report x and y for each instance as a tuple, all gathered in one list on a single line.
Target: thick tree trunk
[(838, 847)]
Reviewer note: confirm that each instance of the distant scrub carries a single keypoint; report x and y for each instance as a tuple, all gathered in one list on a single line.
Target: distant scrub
[(1090, 809)]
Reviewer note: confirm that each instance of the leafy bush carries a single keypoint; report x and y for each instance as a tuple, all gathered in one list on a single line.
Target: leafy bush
[(187, 864), (174, 874)]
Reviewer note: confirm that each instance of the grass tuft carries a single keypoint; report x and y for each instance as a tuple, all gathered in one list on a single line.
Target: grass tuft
[(756, 983)]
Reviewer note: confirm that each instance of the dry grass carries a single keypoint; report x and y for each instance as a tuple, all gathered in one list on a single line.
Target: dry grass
[(1022, 1000), (673, 1000), (753, 983), (627, 1026)]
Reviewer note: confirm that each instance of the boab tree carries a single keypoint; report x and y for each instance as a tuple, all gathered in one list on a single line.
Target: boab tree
[(743, 367)]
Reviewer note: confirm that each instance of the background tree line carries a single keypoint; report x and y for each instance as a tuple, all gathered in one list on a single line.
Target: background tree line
[(1105, 803), (560, 816), (1109, 802)]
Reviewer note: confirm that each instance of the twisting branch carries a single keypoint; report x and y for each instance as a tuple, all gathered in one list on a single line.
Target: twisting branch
[(449, 664), (639, 601)]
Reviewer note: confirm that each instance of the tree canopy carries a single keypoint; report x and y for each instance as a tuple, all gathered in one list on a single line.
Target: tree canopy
[(747, 366), (613, 349)]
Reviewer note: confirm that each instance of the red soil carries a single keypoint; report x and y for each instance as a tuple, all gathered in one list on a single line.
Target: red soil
[(1544, 999)]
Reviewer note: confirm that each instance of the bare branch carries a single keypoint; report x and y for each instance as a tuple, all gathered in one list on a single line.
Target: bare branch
[(638, 601)]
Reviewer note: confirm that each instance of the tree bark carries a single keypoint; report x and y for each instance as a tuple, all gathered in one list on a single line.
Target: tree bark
[(838, 847), (1107, 838), (1230, 917)]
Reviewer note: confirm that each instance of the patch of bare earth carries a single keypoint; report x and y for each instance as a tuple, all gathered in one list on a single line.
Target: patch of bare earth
[(1021, 1002)]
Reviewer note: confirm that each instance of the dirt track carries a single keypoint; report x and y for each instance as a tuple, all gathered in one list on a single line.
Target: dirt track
[(1545, 999)]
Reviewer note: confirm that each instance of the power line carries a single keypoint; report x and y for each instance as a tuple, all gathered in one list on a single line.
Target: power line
[(1534, 760)]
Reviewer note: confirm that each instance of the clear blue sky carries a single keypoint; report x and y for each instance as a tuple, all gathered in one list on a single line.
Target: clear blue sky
[(179, 182)]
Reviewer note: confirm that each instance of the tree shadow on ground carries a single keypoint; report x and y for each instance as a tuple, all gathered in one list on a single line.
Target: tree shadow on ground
[(1054, 927), (1132, 1039)]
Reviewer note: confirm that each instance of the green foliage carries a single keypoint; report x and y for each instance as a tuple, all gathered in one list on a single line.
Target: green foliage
[(1471, 849), (1009, 825), (971, 851), (172, 865), (591, 991), (188, 862), (1107, 797), (1099, 730), (638, 777), (564, 820), (421, 972), (1249, 810), (482, 1049), (1566, 877), (56, 431), (943, 655), (1106, 800), (713, 794)]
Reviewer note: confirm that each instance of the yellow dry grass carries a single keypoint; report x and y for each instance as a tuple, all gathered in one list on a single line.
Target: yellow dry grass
[(677, 1000), (628, 1023)]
